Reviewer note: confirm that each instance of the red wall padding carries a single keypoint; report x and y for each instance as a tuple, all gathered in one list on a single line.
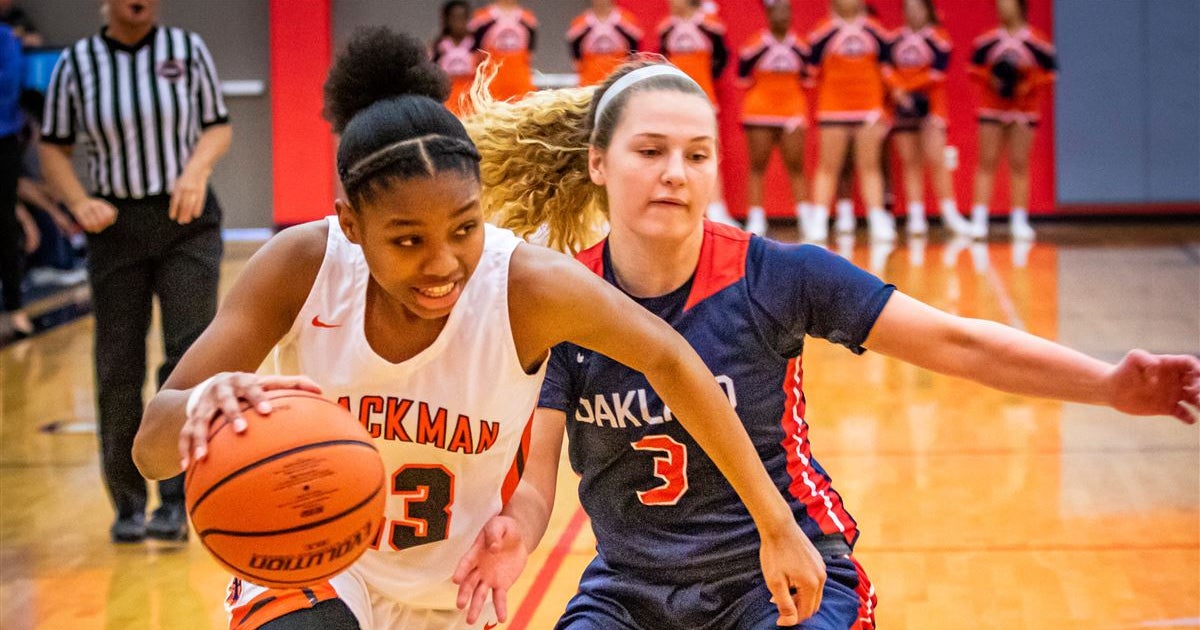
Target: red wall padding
[(301, 141), (964, 19)]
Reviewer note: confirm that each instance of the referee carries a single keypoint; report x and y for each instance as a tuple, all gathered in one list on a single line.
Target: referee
[(145, 103)]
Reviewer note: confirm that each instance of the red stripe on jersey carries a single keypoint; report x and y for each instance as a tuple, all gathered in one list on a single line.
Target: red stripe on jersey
[(722, 261), (593, 258), (518, 466), (866, 600), (809, 485)]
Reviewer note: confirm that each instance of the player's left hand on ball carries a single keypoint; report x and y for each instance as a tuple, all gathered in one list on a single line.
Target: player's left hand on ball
[(223, 395), (795, 573), (1147, 384), (493, 563)]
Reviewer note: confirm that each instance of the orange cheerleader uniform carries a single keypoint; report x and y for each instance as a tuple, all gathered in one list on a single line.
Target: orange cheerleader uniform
[(848, 57), (509, 37), (697, 46), (774, 71), (918, 66), (458, 61), (1013, 70), (599, 45)]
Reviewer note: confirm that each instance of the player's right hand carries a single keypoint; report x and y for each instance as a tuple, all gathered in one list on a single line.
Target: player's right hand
[(223, 395), (794, 572), (94, 214)]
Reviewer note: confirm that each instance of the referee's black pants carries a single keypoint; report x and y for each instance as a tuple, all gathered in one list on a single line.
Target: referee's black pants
[(146, 254), (12, 255)]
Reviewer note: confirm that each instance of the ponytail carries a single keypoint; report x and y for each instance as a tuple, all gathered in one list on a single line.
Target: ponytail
[(534, 165)]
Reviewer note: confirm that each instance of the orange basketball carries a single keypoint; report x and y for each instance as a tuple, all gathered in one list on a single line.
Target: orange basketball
[(293, 500)]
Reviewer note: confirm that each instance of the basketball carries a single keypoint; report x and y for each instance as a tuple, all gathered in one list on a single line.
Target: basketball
[(294, 499)]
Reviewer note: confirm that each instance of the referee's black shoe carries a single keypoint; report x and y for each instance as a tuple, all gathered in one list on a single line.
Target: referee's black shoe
[(169, 522), (128, 529)]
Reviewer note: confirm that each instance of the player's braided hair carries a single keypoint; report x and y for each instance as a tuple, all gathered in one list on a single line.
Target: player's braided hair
[(534, 154), (384, 97)]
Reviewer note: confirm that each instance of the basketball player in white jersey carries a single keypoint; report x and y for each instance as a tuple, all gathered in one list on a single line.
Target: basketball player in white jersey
[(434, 329)]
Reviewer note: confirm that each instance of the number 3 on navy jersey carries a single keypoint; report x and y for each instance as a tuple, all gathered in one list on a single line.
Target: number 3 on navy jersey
[(428, 493), (670, 466)]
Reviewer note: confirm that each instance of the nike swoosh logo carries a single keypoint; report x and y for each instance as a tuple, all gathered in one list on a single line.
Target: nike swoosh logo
[(489, 626), (316, 321)]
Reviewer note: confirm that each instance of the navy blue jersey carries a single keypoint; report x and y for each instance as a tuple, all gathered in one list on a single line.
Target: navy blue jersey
[(658, 504)]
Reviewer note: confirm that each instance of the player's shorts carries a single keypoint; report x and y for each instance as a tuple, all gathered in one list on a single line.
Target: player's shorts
[(250, 606), (738, 601)]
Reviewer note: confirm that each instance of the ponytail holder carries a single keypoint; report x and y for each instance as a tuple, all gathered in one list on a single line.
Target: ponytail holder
[(640, 74)]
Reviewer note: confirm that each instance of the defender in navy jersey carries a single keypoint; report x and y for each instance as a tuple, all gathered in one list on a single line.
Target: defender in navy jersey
[(746, 311), (675, 550), (739, 311)]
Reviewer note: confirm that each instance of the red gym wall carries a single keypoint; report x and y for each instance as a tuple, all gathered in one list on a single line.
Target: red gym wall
[(964, 19), (302, 142), (303, 149)]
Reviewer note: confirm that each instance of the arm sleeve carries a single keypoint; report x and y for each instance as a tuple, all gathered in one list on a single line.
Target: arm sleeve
[(747, 58), (631, 32), (479, 28), (531, 26), (818, 41), (800, 290), (579, 29), (884, 41), (720, 53), (58, 115), (978, 70), (941, 55), (663, 31), (1046, 59), (212, 101), (556, 389)]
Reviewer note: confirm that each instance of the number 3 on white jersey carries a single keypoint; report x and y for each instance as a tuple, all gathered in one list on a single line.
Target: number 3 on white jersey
[(671, 467)]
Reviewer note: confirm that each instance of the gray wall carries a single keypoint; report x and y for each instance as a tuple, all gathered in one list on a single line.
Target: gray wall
[(236, 34), (1128, 101)]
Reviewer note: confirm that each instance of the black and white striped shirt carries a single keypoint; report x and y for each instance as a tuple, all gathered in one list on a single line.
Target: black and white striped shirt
[(138, 110)]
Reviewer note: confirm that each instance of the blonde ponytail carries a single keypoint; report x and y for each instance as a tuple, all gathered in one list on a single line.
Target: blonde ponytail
[(534, 166)]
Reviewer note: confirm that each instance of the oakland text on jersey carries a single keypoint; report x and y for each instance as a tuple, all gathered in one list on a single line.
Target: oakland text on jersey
[(632, 408), (406, 420)]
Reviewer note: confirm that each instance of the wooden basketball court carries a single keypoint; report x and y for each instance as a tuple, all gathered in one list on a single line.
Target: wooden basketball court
[(978, 509)]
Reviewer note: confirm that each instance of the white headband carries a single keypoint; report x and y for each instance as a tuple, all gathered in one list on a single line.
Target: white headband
[(645, 72)]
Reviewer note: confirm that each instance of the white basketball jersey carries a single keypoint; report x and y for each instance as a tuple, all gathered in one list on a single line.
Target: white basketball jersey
[(451, 422)]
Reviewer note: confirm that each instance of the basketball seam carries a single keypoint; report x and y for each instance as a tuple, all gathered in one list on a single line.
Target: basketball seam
[(262, 462), (298, 528), (260, 579)]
